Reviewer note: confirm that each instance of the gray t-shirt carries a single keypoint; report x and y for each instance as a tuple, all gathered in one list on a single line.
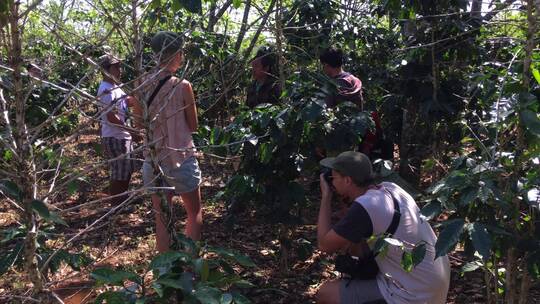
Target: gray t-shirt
[(371, 214)]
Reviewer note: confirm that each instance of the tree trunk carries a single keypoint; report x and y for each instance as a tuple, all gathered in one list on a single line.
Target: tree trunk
[(511, 284), (476, 9), (525, 285), (243, 27), (406, 148), (137, 44), (259, 30), (529, 46), (23, 148), (488, 280), (279, 44), (214, 16)]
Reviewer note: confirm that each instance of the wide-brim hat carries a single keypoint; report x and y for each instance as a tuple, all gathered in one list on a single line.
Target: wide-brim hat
[(351, 163), (107, 60)]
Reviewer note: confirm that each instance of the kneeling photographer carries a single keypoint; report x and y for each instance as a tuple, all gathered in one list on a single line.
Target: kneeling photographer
[(376, 210)]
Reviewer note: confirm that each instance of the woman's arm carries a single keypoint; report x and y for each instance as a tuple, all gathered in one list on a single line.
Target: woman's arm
[(191, 107)]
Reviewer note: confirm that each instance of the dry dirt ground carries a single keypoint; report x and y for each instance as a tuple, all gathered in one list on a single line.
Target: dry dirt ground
[(126, 240)]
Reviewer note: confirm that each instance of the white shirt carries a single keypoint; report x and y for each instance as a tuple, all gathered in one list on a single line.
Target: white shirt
[(112, 97), (429, 281)]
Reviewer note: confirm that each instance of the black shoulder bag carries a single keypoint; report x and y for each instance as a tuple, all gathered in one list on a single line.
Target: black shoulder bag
[(366, 268), (156, 90)]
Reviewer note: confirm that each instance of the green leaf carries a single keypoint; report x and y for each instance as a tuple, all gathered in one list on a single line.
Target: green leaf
[(187, 282), (418, 254), (243, 284), (244, 260), (78, 260), (449, 237), (406, 261), (432, 210), (379, 246), (469, 195), (237, 3), (472, 266), (194, 6), (10, 189), (114, 277), (202, 268), (4, 6), (531, 121), (304, 249), (40, 208), (155, 4), (481, 240), (55, 218), (158, 288), (44, 212), (226, 298), (536, 74), (112, 297), (239, 298), (176, 284), (176, 5), (187, 244), (208, 295), (99, 149), (7, 261), (238, 258), (226, 266), (311, 112), (166, 259), (394, 242), (72, 187), (265, 153)]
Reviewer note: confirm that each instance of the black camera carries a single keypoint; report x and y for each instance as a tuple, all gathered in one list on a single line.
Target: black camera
[(357, 268), (327, 173)]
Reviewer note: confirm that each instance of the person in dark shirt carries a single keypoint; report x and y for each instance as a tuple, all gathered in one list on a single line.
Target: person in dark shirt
[(265, 87), (349, 88)]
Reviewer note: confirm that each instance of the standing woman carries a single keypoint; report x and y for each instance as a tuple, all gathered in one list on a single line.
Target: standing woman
[(173, 118)]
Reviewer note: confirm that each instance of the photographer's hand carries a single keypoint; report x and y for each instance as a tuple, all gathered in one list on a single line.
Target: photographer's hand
[(327, 239), (326, 191)]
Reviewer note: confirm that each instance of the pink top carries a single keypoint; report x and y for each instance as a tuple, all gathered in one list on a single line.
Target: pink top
[(168, 124)]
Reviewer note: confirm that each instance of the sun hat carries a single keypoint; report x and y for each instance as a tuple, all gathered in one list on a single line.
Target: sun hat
[(105, 61), (350, 163)]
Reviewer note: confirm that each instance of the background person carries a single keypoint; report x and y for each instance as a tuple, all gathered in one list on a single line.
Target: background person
[(265, 87), (349, 88), (116, 140), (173, 117), (371, 214)]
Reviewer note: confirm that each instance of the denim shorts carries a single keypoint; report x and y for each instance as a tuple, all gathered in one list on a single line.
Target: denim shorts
[(185, 178)]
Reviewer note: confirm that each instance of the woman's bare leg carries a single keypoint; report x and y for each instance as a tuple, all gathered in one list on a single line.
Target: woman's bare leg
[(162, 234), (192, 204)]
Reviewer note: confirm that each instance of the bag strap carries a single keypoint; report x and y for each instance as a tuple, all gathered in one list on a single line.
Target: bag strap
[(397, 215), (156, 90)]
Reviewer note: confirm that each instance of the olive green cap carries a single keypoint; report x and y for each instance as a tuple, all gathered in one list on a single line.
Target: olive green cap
[(353, 164)]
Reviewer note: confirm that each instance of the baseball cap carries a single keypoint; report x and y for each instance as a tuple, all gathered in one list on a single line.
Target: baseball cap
[(167, 43), (350, 163), (105, 61)]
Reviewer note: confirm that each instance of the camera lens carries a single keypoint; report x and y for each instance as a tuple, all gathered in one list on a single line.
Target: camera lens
[(327, 173)]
